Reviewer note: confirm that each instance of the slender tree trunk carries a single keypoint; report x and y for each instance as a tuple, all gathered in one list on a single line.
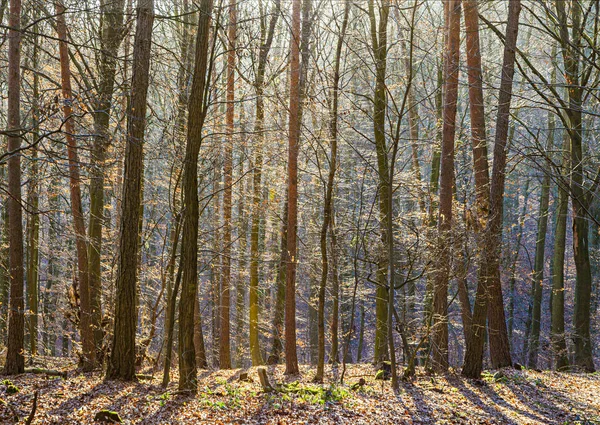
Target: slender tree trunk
[(379, 47), (557, 333), (15, 362), (439, 338), (33, 230), (224, 340), (489, 287), (85, 320), (257, 211), (189, 248), (513, 277), (121, 364), (295, 120), (538, 269), (278, 316), (328, 204)]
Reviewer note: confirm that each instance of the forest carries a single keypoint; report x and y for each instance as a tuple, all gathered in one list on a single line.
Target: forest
[(300, 211)]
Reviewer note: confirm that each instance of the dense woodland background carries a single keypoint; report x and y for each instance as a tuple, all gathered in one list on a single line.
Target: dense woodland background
[(226, 183)]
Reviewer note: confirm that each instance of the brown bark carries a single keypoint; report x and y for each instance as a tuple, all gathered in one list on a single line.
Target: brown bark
[(111, 34), (267, 40), (15, 362), (189, 248), (328, 203), (489, 288), (121, 364), (85, 322), (295, 120), (224, 340), (439, 338)]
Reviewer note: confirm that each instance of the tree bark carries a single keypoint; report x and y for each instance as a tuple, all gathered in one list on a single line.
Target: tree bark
[(571, 50), (15, 362), (489, 288), (121, 364), (111, 34), (224, 340), (189, 248), (328, 204), (439, 338), (557, 332), (85, 320)]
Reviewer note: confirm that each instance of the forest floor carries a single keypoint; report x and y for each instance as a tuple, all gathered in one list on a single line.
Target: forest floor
[(513, 397)]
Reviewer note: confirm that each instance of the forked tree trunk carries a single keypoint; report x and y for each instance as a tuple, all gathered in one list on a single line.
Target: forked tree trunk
[(489, 288)]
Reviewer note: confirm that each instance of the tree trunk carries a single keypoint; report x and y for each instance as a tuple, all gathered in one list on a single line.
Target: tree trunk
[(328, 204), (278, 314), (189, 247), (33, 230), (121, 364), (15, 362), (439, 338), (489, 286), (224, 340), (111, 34), (295, 120), (580, 201), (557, 332), (538, 268), (379, 47), (85, 320)]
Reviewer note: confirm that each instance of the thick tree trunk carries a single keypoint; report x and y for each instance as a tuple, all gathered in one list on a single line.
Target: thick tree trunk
[(111, 34), (439, 338), (579, 198), (121, 364), (15, 362), (489, 288), (189, 248)]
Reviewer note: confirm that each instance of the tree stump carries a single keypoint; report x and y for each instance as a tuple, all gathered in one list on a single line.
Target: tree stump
[(264, 379)]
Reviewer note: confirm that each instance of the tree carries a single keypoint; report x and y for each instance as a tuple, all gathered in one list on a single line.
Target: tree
[(439, 338), (111, 33), (85, 319), (259, 82), (15, 362), (328, 204), (580, 195), (489, 289), (121, 364), (299, 42), (189, 248)]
